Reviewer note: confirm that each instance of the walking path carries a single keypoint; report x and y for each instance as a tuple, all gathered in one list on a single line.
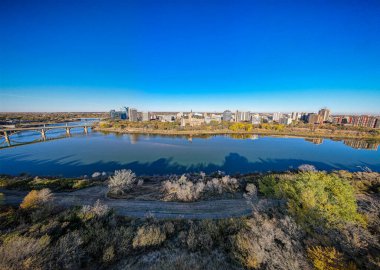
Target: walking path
[(225, 208)]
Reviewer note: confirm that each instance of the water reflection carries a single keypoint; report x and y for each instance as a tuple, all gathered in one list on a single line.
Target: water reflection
[(314, 140), (360, 144), (155, 154)]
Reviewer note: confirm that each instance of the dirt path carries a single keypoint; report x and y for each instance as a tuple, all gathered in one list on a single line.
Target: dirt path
[(137, 208)]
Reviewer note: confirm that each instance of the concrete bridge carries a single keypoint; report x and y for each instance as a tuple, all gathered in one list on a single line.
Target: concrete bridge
[(42, 129)]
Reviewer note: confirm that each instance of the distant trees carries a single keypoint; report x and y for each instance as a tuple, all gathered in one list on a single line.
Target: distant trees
[(241, 127), (121, 181)]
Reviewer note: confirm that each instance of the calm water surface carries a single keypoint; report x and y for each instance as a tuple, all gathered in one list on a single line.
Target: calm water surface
[(146, 154)]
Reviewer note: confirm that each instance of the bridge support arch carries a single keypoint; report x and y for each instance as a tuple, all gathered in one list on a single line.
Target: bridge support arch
[(43, 134), (6, 136)]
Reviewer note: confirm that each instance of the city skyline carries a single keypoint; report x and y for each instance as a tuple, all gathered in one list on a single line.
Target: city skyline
[(179, 56)]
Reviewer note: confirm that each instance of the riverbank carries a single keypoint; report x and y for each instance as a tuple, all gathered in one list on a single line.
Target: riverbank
[(85, 229), (319, 133)]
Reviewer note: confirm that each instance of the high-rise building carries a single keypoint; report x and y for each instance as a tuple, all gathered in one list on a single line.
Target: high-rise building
[(285, 120), (365, 121), (325, 114), (132, 113), (296, 116), (112, 114), (227, 116), (242, 116), (145, 116), (277, 116), (314, 118)]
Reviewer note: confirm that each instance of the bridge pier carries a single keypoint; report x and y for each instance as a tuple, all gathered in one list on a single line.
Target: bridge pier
[(85, 129), (6, 136), (68, 132), (43, 134)]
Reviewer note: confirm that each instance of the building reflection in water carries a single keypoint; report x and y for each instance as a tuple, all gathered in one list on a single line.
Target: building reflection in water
[(358, 144), (315, 140), (134, 138)]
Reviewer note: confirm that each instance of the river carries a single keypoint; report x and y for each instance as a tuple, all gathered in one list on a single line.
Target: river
[(83, 154)]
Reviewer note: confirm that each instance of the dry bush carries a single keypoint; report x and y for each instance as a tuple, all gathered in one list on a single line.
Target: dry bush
[(67, 253), (109, 254), (19, 252), (220, 185), (149, 235), (98, 210), (198, 239), (307, 168), (185, 190), (121, 181), (182, 189), (271, 241), (177, 259), (36, 198)]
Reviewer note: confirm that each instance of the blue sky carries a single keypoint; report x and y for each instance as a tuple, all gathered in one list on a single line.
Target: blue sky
[(180, 55)]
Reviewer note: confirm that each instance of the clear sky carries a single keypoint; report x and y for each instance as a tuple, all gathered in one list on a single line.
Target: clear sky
[(63, 55)]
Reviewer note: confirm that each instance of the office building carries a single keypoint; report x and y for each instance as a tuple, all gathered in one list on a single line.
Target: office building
[(296, 116), (324, 114), (242, 116), (276, 117), (145, 116), (285, 120), (132, 113), (314, 118)]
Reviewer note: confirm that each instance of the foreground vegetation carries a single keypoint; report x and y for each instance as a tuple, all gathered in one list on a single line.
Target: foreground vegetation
[(26, 182), (296, 129), (312, 220)]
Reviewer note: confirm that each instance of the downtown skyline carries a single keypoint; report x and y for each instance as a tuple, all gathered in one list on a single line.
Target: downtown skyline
[(251, 56)]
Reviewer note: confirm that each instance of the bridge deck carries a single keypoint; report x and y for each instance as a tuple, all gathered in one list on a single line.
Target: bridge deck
[(42, 127)]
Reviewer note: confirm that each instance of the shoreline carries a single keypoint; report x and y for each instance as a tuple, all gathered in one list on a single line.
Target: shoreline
[(230, 132)]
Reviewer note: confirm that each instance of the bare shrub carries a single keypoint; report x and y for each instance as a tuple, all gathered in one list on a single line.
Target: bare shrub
[(67, 253), (307, 168), (36, 198), (18, 251), (121, 181), (185, 190), (98, 210), (177, 259), (251, 189), (270, 241), (149, 235), (198, 239), (182, 189), (220, 185), (109, 254)]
